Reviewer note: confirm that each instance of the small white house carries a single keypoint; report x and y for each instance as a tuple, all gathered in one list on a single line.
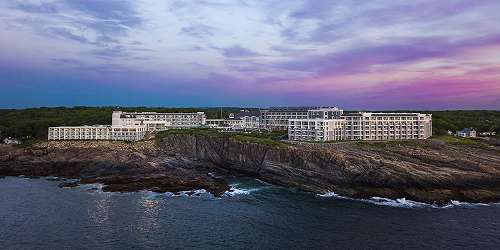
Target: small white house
[(466, 132), (11, 140)]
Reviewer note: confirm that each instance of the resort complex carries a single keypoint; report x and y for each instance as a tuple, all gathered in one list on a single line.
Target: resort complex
[(302, 124)]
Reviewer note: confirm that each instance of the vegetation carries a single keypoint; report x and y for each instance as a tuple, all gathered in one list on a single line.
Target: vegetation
[(448, 139), (460, 140), (481, 120), (386, 144), (265, 138)]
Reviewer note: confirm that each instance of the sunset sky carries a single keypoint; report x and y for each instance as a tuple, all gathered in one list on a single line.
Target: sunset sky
[(381, 54)]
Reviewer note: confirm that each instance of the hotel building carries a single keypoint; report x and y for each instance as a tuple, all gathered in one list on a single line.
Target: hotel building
[(159, 121), (98, 132), (387, 126), (128, 126), (316, 129), (243, 120), (276, 118), (362, 126)]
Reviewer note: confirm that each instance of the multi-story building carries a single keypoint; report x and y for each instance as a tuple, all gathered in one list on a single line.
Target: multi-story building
[(387, 126), (159, 121), (98, 132), (362, 126), (251, 119), (243, 120), (276, 118), (316, 129)]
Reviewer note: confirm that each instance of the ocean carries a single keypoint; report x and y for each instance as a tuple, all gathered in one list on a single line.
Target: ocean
[(36, 214)]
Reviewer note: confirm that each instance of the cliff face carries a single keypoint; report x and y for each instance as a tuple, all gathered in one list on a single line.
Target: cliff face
[(121, 167), (430, 171)]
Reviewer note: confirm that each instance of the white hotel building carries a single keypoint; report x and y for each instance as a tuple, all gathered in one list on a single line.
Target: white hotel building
[(387, 126), (159, 121), (128, 126), (98, 132), (276, 118), (243, 120), (316, 129), (362, 126)]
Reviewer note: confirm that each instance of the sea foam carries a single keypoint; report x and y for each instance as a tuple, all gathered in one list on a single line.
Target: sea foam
[(405, 203)]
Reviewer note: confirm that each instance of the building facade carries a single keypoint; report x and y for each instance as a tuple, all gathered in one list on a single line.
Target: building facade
[(387, 126), (243, 120), (467, 133), (316, 129), (98, 132), (251, 119), (366, 126), (276, 118), (159, 121)]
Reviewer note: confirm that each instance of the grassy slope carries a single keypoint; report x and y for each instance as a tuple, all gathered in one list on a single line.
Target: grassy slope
[(264, 138)]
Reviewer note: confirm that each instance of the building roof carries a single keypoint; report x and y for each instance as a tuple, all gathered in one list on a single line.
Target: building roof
[(466, 130), (382, 114), (244, 113)]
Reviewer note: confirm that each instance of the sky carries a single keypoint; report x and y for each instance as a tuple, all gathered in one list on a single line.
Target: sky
[(379, 54)]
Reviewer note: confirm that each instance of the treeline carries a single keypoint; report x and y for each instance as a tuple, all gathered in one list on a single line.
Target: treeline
[(33, 122), (481, 120)]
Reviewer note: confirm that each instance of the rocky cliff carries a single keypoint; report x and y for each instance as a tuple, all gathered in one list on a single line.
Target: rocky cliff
[(121, 167), (429, 171)]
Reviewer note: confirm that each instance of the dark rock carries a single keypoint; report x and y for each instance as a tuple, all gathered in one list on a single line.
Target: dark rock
[(68, 184), (429, 170)]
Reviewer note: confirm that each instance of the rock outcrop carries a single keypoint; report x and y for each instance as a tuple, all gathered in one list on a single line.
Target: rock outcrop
[(429, 171), (121, 167)]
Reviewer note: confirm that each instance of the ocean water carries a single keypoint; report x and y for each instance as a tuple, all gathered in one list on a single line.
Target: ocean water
[(36, 214)]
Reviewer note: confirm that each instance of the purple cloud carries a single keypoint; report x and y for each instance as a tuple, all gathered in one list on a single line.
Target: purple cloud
[(408, 50)]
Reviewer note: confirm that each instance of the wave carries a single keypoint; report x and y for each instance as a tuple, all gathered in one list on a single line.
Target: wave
[(405, 203), (93, 187), (187, 193), (237, 190)]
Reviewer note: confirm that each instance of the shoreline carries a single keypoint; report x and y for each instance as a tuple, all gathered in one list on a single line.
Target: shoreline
[(377, 201), (190, 162)]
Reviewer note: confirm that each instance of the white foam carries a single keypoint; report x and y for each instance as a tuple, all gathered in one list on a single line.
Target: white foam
[(188, 193), (329, 194), (97, 186), (234, 190), (405, 203), (401, 202)]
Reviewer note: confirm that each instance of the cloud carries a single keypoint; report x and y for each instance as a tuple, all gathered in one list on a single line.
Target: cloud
[(237, 51), (43, 8), (90, 22), (111, 52), (361, 58), (66, 33), (200, 31)]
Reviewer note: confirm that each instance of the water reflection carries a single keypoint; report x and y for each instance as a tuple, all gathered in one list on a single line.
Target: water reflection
[(99, 213), (148, 222)]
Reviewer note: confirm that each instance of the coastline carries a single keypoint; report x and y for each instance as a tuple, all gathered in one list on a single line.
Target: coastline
[(431, 171)]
